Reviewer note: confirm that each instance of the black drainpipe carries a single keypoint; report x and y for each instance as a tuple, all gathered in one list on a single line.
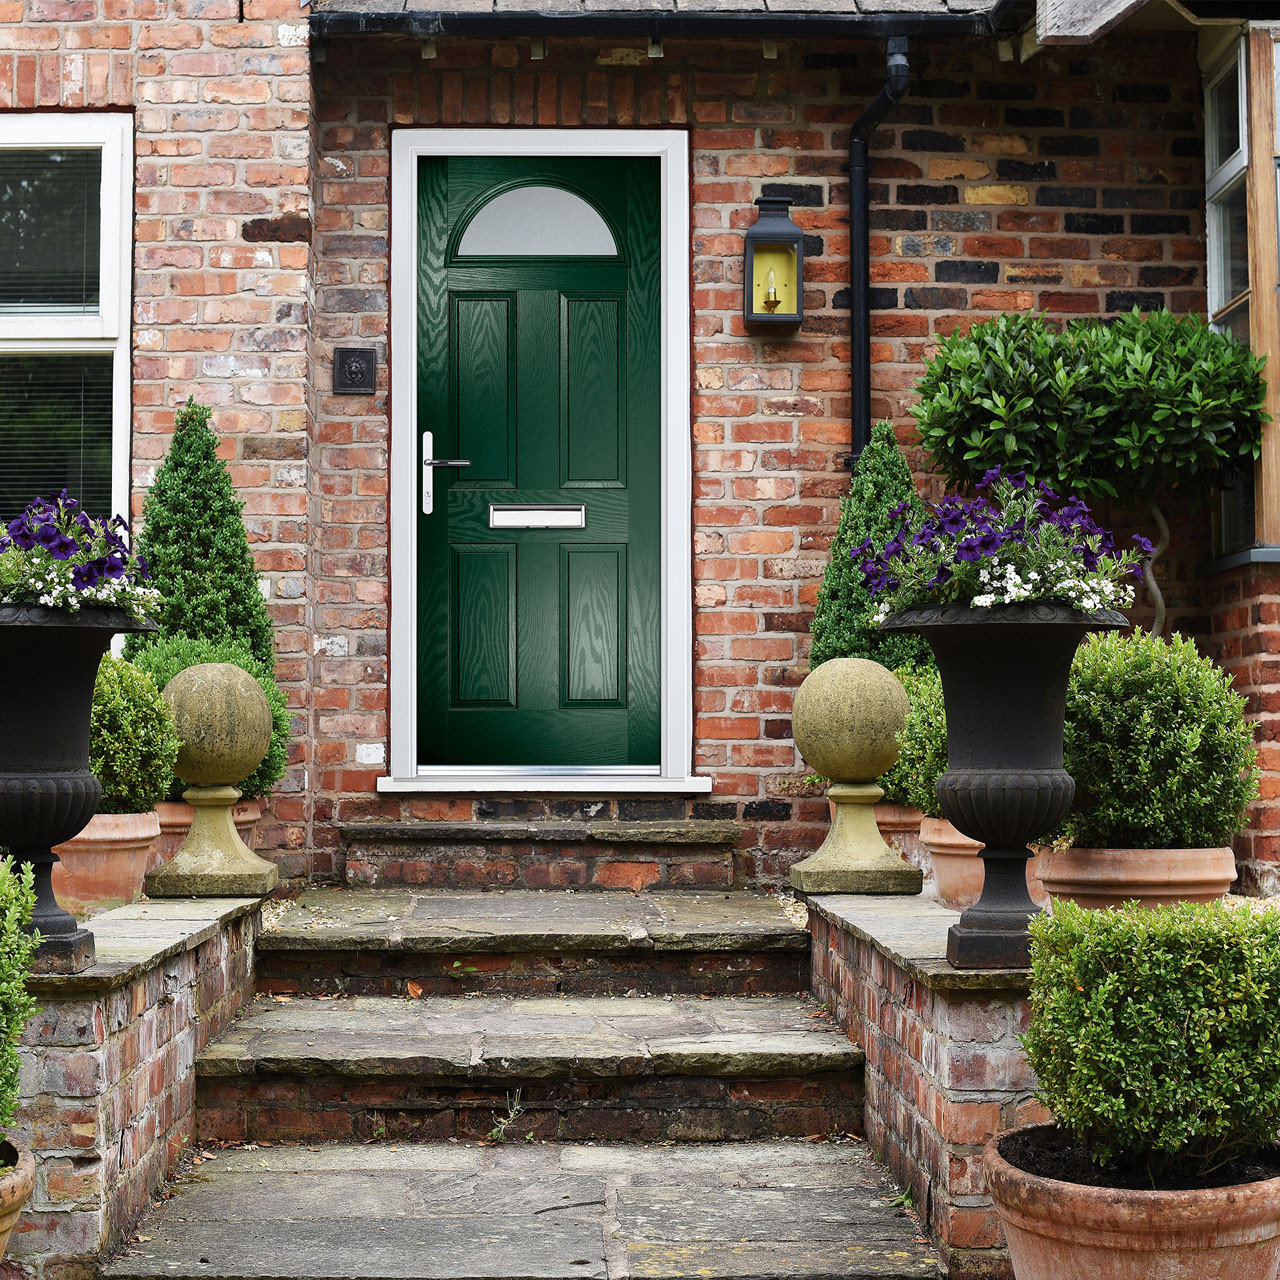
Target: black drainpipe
[(859, 246)]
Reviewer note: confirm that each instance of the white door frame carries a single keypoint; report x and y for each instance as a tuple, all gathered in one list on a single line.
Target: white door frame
[(674, 773)]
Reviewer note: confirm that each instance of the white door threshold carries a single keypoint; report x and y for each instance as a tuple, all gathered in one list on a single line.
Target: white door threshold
[(529, 784)]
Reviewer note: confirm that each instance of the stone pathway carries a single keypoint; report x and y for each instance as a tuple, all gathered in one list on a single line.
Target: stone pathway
[(750, 1211)]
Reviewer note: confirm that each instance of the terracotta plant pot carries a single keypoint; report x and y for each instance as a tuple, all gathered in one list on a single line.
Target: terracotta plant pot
[(175, 821), (104, 865), (1108, 877), (1065, 1231), (958, 870), (900, 827), (15, 1187)]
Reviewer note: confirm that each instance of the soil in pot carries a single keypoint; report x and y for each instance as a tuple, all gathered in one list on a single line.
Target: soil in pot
[(1050, 1152)]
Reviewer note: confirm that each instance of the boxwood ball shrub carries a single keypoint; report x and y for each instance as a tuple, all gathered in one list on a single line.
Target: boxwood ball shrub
[(1158, 744), (843, 625), (195, 543), (17, 947), (166, 657), (1154, 1033), (922, 744), (132, 743)]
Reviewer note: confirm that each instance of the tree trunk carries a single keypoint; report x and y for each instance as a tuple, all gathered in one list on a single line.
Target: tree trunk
[(1148, 574)]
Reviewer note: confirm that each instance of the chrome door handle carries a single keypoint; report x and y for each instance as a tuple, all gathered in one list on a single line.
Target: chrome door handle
[(429, 464)]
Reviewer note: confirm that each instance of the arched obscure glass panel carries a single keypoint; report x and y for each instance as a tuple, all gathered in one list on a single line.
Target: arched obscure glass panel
[(538, 222)]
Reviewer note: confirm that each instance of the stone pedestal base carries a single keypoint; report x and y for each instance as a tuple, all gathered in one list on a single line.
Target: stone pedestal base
[(213, 861), (64, 953), (854, 857)]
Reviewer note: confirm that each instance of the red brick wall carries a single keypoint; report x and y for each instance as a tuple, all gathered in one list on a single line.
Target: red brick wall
[(1073, 184)]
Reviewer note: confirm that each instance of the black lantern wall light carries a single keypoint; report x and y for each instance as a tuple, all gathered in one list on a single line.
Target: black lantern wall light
[(773, 269)]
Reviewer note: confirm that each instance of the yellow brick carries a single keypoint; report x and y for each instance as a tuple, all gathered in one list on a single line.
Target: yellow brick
[(995, 195), (1002, 144), (943, 168)]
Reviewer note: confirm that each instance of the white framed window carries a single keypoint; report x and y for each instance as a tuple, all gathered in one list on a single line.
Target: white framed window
[(66, 237), (1226, 129)]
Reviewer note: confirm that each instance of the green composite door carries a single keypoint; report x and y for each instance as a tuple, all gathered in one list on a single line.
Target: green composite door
[(539, 580)]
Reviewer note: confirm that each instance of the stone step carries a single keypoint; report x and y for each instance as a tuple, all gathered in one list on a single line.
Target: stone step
[(532, 942), (684, 853), (744, 1211), (641, 1069)]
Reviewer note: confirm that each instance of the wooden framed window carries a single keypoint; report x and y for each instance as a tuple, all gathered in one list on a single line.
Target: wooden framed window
[(66, 206)]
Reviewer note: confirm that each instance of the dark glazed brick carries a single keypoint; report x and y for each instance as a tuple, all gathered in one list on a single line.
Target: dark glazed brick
[(650, 810), (959, 220), (1094, 224), (1026, 170), (1127, 299), (966, 272), (937, 299), (289, 228), (1166, 277), (1069, 144), (1172, 122), (922, 193), (774, 810), (1034, 118), (1141, 93), (1007, 90), (949, 89), (714, 811), (1086, 118), (1067, 197), (1191, 198), (814, 247), (1159, 224), (931, 140), (510, 808), (897, 220), (810, 196), (1135, 197), (881, 299)]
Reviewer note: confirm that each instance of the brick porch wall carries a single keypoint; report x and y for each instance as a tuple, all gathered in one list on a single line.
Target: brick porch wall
[(1073, 184)]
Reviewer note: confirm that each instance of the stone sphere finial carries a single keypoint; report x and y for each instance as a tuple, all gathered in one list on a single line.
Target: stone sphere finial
[(223, 720), (847, 717)]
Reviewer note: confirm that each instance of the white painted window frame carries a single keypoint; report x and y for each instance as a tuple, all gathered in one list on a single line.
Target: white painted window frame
[(1230, 173), (674, 773), (106, 332)]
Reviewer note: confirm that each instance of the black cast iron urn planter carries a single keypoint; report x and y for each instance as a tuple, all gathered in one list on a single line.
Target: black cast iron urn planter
[(50, 658), (1004, 675)]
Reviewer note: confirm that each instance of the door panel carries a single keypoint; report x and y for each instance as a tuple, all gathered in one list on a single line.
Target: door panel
[(540, 646)]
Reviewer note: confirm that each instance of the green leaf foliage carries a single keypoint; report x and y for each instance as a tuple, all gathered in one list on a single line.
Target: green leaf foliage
[(1116, 410), (1158, 744), (1154, 1033), (922, 744), (17, 947), (843, 626), (195, 543), (132, 742), (166, 657)]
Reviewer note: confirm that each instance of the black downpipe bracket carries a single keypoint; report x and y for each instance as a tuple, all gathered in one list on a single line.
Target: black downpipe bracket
[(859, 244)]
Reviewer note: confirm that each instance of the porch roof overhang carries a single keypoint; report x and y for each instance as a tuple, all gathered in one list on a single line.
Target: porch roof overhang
[(855, 19)]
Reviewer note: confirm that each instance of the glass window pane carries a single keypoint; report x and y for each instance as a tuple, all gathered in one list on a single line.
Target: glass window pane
[(1230, 224), (50, 210), (1224, 119), (55, 430), (538, 221)]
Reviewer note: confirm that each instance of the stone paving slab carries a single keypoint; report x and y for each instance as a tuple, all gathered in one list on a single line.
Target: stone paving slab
[(531, 920), (739, 1211), (501, 1038)]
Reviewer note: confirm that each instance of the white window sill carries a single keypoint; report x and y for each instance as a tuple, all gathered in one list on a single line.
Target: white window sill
[(539, 784)]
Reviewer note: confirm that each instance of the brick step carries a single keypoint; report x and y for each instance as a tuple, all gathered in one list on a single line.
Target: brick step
[(564, 1068), (532, 942), (679, 854), (804, 1211)]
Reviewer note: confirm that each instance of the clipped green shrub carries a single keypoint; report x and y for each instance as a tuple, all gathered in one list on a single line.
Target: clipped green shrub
[(922, 742), (132, 742), (166, 657), (17, 947), (1112, 410), (1154, 1033), (843, 625), (195, 543), (1158, 744)]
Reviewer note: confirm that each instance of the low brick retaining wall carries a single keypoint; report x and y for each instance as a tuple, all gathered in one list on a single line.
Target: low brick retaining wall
[(944, 1068), (108, 1071)]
